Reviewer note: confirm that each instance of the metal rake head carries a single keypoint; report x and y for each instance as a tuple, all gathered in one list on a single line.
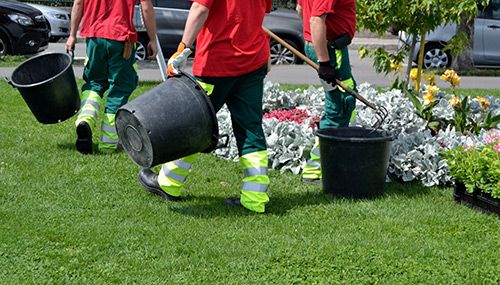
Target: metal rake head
[(380, 115)]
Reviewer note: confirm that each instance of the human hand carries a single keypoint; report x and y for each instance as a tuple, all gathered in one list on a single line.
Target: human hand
[(152, 50), (327, 73), (178, 60), (70, 43)]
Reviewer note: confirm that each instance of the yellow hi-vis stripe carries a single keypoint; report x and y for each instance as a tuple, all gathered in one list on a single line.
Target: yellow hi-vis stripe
[(209, 88), (255, 183), (173, 174)]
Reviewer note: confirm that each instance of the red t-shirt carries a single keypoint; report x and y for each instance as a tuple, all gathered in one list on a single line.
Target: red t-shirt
[(340, 19), (109, 19), (232, 42)]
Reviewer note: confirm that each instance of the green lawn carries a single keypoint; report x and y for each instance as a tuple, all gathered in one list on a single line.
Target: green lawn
[(12, 60), (72, 219), (477, 92)]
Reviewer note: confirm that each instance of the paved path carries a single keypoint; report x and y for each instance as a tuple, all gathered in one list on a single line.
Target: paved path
[(300, 74)]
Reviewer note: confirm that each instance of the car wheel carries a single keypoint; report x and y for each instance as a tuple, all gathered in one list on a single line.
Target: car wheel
[(141, 51), (281, 55), (436, 57), (4, 45)]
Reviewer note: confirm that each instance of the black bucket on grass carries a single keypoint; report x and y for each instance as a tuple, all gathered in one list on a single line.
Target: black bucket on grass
[(48, 86), (170, 121), (354, 161)]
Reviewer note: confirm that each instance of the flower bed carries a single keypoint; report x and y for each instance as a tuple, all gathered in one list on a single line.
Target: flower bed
[(415, 154)]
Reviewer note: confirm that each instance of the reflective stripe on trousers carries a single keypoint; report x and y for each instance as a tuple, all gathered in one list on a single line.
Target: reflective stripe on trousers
[(255, 182), (89, 108), (312, 169), (173, 175), (109, 135)]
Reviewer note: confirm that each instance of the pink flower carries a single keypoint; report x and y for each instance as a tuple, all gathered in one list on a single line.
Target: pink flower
[(497, 148), (296, 115), (492, 136)]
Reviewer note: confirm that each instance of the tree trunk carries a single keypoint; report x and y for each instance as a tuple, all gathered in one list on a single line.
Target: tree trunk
[(464, 61), (410, 61), (420, 62)]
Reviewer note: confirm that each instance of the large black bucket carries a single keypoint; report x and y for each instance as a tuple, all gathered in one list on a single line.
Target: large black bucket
[(170, 121), (354, 161), (48, 86)]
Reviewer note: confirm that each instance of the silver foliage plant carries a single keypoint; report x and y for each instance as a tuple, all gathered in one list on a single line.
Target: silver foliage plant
[(415, 152)]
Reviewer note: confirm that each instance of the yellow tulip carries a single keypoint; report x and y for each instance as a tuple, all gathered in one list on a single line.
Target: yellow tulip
[(428, 98), (432, 89), (413, 74), (455, 81), (452, 77), (430, 78), (485, 103), (396, 67), (429, 94), (455, 102)]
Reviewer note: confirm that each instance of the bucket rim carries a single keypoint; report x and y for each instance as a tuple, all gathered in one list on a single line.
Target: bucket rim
[(45, 81), (387, 135)]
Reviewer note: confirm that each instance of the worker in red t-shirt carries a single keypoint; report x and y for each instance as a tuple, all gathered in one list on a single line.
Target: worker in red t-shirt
[(329, 26), (231, 61), (110, 63)]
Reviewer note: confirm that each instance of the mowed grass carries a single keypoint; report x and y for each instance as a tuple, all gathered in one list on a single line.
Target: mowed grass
[(12, 60), (72, 219)]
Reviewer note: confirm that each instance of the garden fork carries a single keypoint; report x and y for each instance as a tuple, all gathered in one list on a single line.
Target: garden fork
[(380, 111)]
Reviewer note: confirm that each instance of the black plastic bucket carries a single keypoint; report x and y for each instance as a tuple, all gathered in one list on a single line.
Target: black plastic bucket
[(170, 121), (48, 86), (354, 161)]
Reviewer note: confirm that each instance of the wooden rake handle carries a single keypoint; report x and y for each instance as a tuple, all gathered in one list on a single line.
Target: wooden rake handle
[(316, 67)]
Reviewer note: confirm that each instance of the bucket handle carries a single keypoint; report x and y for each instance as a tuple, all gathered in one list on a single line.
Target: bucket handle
[(72, 53), (9, 81)]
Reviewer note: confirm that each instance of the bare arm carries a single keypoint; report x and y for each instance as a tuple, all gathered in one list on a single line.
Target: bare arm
[(150, 23), (299, 12), (76, 18), (318, 33), (198, 14)]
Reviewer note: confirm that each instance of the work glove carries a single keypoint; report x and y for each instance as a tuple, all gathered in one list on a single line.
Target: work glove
[(178, 60), (328, 73)]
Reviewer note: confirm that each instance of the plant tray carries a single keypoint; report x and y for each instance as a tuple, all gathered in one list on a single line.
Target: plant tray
[(477, 199)]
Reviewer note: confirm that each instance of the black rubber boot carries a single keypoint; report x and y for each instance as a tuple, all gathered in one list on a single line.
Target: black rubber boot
[(84, 138), (233, 202), (149, 180)]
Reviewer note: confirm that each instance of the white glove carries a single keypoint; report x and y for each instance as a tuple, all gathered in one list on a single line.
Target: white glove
[(178, 60)]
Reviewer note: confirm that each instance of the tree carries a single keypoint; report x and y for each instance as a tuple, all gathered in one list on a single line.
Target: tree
[(415, 17)]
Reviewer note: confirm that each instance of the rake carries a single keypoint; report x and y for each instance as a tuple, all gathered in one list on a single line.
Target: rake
[(380, 111)]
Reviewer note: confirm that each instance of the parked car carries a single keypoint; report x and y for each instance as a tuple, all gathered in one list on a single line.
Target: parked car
[(171, 16), (23, 29), (486, 42), (59, 21)]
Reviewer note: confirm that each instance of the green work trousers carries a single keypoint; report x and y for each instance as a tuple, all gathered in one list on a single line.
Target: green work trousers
[(107, 70), (339, 105), (243, 97)]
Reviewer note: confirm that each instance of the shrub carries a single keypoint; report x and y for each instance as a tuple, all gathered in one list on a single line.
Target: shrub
[(477, 167)]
